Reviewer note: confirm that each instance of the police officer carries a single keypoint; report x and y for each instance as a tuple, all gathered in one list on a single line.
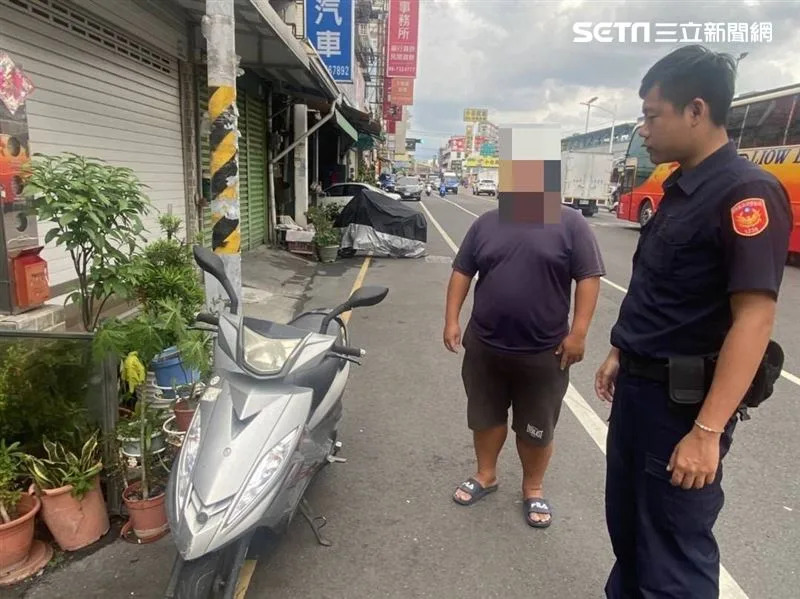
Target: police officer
[(705, 281)]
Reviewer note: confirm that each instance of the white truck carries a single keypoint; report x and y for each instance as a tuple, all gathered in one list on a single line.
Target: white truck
[(485, 174), (585, 180)]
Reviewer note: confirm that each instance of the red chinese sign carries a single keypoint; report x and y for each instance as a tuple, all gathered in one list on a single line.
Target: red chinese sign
[(391, 127), (401, 47), (14, 84), (457, 144), (392, 112), (401, 90)]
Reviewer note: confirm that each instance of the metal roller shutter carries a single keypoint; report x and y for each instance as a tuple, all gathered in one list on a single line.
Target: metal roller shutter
[(100, 93), (252, 166)]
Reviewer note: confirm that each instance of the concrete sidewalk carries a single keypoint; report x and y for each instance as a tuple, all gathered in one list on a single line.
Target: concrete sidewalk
[(276, 286)]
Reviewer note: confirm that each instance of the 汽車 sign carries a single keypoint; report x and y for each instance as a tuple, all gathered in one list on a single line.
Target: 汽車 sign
[(401, 47), (329, 28)]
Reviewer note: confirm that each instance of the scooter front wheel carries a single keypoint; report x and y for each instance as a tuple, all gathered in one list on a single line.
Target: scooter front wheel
[(213, 576)]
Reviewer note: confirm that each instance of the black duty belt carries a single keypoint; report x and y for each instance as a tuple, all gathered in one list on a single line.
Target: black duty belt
[(656, 369)]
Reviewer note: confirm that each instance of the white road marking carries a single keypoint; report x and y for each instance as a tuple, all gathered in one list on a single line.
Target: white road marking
[(594, 425), (439, 228), (460, 207)]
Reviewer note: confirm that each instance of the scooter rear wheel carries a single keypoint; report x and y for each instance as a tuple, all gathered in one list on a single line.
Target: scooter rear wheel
[(213, 576)]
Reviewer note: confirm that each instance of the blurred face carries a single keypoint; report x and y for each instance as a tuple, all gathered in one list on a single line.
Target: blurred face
[(669, 134)]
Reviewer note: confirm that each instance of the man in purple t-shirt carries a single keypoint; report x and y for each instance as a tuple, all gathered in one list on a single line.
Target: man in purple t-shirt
[(519, 343)]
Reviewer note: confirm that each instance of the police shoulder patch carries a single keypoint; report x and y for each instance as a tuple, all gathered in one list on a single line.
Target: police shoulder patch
[(749, 217)]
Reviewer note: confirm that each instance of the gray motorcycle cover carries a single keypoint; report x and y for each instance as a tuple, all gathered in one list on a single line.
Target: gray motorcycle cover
[(379, 225)]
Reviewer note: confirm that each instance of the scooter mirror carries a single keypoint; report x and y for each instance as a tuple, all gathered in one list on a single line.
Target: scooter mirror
[(213, 265), (367, 296)]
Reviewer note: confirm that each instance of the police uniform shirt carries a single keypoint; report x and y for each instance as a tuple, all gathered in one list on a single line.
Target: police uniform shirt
[(720, 228)]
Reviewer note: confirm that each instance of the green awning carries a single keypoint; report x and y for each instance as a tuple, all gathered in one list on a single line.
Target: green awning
[(345, 125), (365, 142)]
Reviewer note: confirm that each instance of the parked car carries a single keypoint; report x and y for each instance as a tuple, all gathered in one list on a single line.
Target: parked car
[(486, 186), (341, 193), (409, 187)]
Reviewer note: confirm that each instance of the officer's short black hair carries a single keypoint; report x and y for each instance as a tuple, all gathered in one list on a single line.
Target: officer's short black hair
[(694, 72)]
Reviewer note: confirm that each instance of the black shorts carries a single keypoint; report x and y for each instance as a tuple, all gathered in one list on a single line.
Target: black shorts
[(532, 384)]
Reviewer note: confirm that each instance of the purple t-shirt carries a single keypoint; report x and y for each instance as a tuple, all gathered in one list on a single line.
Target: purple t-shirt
[(525, 274)]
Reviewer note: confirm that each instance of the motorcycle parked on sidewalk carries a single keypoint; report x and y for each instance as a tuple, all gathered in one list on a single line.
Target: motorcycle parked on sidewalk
[(265, 427)]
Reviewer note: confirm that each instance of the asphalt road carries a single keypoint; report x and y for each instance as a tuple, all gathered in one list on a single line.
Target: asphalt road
[(397, 533)]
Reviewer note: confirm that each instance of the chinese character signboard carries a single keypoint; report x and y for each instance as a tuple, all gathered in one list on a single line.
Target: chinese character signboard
[(476, 115), (329, 27), (401, 47), (392, 112), (457, 144), (401, 90), (15, 86)]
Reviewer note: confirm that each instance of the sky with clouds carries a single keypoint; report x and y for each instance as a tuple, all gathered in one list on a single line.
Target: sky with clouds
[(518, 58)]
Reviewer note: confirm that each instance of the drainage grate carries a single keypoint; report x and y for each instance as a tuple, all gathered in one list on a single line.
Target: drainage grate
[(79, 23)]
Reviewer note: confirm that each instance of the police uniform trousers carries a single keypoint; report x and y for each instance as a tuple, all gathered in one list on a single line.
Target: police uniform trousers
[(661, 534)]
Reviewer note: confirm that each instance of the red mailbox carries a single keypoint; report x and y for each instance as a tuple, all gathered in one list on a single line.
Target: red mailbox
[(31, 282)]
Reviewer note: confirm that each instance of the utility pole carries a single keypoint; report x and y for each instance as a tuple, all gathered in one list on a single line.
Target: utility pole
[(588, 110), (219, 30)]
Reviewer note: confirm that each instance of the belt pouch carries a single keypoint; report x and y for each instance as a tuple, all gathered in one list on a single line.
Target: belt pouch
[(687, 380)]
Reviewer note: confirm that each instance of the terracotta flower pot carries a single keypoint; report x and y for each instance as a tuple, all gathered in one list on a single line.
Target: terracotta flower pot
[(183, 415), (75, 523), (16, 537), (148, 516)]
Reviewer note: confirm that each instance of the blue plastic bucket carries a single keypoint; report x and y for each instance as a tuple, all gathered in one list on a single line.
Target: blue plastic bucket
[(169, 371)]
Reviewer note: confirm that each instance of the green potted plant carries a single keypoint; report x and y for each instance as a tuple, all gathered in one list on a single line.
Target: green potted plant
[(96, 210), (144, 498), (18, 512), (68, 484), (168, 288), (326, 236)]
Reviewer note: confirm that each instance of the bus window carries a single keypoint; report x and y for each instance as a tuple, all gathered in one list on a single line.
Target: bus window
[(793, 132), (735, 121), (644, 166), (766, 122)]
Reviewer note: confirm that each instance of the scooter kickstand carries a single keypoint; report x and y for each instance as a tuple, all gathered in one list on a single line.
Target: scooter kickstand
[(333, 457), (316, 527)]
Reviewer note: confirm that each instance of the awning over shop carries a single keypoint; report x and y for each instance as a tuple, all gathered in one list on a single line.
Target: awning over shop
[(268, 47), (345, 126), (361, 120)]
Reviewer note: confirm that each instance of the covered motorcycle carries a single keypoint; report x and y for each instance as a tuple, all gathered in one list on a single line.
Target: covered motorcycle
[(374, 223)]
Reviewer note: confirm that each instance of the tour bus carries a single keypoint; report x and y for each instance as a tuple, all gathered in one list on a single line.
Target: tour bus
[(766, 129)]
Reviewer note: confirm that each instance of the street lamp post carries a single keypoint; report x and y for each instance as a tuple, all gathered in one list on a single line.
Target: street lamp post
[(588, 110), (738, 58), (613, 114)]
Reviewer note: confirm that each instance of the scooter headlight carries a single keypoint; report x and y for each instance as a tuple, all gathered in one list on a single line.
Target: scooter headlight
[(263, 474), (267, 355), (188, 456)]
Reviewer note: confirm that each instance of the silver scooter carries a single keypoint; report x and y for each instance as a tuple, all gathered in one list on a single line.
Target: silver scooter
[(266, 425)]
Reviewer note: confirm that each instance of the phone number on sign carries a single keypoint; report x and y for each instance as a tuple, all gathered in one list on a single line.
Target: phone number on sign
[(340, 70)]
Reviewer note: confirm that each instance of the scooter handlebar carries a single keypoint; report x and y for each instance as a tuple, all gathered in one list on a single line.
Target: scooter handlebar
[(207, 318), (348, 351)]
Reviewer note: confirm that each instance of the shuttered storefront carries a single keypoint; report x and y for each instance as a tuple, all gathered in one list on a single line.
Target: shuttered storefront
[(252, 165), (98, 92)]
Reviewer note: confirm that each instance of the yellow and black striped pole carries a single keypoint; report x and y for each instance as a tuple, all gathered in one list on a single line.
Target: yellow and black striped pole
[(223, 141), (219, 30)]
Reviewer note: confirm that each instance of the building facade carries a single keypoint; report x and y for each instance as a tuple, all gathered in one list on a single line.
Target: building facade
[(126, 82)]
